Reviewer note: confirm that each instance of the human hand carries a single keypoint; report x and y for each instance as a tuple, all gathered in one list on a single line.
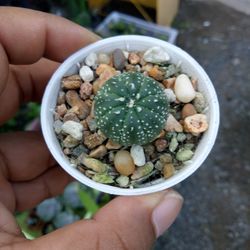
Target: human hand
[(32, 44)]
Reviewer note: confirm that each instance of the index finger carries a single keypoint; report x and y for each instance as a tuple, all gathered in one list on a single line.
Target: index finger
[(28, 35)]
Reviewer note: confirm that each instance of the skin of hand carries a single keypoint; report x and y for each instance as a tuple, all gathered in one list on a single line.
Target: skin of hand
[(32, 45)]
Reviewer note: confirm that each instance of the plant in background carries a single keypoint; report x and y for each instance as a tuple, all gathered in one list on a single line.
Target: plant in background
[(75, 10), (131, 109)]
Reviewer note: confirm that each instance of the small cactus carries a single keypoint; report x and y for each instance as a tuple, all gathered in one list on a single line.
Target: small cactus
[(131, 108)]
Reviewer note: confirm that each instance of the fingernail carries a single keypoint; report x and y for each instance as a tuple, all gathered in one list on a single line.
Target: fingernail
[(166, 211)]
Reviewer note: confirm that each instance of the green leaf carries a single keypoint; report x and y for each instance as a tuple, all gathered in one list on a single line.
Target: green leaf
[(88, 202), (21, 219)]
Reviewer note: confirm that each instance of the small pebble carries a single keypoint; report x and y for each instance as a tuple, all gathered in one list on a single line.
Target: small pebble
[(67, 151), (124, 163), (147, 67), (184, 154), (70, 117), (169, 83), (111, 156), (94, 140), (194, 83), (103, 178), (61, 110), (172, 124), (73, 99), (130, 68), (188, 110), (125, 53), (70, 142), (137, 153), (189, 146), (112, 145), (86, 133), (171, 70), (77, 151), (156, 73), (61, 98), (119, 59), (161, 144), (196, 124), (170, 95), (58, 126), (74, 110), (142, 171), (173, 144), (199, 102), (85, 125), (94, 164), (168, 170), (86, 90), (181, 137), (156, 55), (105, 72), (103, 58), (149, 150), (91, 123), (102, 68), (91, 60), (122, 181), (73, 128), (133, 58), (88, 173), (71, 82), (183, 89), (89, 103), (142, 61), (86, 73), (143, 179), (159, 165), (165, 158), (99, 152)]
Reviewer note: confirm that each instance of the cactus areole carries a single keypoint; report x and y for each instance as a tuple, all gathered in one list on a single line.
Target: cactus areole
[(131, 108)]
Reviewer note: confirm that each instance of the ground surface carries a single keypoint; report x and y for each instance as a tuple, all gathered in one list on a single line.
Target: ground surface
[(216, 212)]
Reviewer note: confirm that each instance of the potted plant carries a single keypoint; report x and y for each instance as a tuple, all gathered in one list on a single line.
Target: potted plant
[(130, 115)]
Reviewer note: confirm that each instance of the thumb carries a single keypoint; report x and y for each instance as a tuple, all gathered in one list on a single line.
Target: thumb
[(124, 223)]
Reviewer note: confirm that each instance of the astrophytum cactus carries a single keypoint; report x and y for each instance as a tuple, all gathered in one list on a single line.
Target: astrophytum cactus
[(131, 108)]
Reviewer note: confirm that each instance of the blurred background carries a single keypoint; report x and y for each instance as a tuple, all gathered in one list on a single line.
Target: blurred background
[(216, 212)]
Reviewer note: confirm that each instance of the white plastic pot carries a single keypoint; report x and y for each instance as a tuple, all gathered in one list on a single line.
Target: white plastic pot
[(131, 43)]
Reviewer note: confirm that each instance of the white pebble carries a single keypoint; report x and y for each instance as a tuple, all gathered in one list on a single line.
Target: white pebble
[(91, 60), (58, 126), (126, 54), (122, 180), (73, 128), (170, 95), (184, 89), (138, 155), (156, 55), (103, 58), (86, 73), (172, 124)]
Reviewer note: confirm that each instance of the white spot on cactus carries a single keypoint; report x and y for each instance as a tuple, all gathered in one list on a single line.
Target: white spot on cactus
[(131, 103), (121, 99), (139, 109)]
